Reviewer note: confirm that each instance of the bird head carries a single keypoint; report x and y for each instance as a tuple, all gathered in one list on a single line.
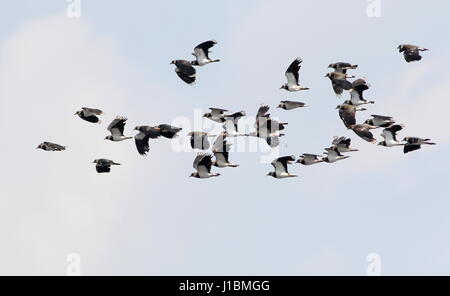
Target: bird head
[(281, 105), (173, 62), (330, 65), (40, 146), (193, 175), (95, 161), (284, 86), (108, 138), (382, 143), (207, 115), (401, 48), (272, 174), (137, 128), (368, 121), (338, 106), (77, 113)]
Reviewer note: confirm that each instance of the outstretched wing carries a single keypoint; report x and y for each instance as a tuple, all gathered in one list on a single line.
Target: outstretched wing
[(117, 126), (201, 51), (292, 72)]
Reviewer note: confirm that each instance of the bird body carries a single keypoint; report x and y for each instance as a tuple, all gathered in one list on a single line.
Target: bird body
[(347, 113), (380, 121), (356, 94), (216, 115), (199, 140), (363, 131), (168, 131), (221, 152), (142, 138), (339, 82), (342, 144)]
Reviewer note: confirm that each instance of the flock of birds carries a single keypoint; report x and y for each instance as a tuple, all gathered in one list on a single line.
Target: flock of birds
[(266, 127)]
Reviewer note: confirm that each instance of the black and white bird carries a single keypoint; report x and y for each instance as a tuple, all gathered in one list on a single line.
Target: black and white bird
[(414, 143), (104, 165), (202, 165), (49, 146), (142, 138), (168, 131), (390, 136), (89, 114), (199, 140), (201, 53), (333, 155), (342, 67), (216, 115), (342, 144), (221, 149), (289, 105), (339, 82), (348, 114), (185, 71), (281, 167), (267, 128), (231, 124), (380, 121), (309, 159), (363, 131), (292, 75), (411, 53), (116, 127), (356, 94)]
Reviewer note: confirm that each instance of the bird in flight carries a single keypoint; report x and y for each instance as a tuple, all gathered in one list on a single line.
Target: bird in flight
[(414, 143), (411, 53), (103, 165), (142, 138), (201, 53), (309, 159), (342, 67), (89, 114), (292, 74), (356, 93), (49, 146), (202, 165), (116, 128), (281, 167), (289, 105), (390, 136), (185, 71), (339, 82)]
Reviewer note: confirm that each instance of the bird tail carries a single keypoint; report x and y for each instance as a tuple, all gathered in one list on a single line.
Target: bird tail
[(215, 175), (215, 61), (115, 163), (233, 165), (430, 143), (128, 138), (423, 49)]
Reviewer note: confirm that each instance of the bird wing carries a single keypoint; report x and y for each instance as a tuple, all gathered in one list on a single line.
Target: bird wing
[(348, 115), (117, 126), (230, 126), (102, 168), (292, 72), (217, 112), (262, 110), (364, 133), (55, 147), (382, 117), (141, 141), (390, 133), (204, 164), (89, 111), (201, 51), (310, 157)]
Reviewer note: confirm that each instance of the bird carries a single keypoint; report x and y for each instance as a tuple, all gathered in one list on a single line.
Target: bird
[(363, 131), (89, 114), (289, 105), (116, 127), (414, 143), (390, 136), (185, 71), (202, 165), (49, 146), (267, 128), (201, 53), (380, 121), (221, 150), (168, 131), (145, 134), (333, 155), (356, 93), (339, 82), (281, 167), (292, 77), (411, 53), (342, 144), (348, 114), (104, 165), (231, 128), (216, 115), (342, 67), (199, 140), (309, 159)]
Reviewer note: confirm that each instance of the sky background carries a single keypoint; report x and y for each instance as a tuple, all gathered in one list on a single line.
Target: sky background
[(147, 217)]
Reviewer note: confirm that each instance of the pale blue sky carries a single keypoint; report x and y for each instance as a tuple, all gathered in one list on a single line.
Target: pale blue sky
[(147, 217)]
